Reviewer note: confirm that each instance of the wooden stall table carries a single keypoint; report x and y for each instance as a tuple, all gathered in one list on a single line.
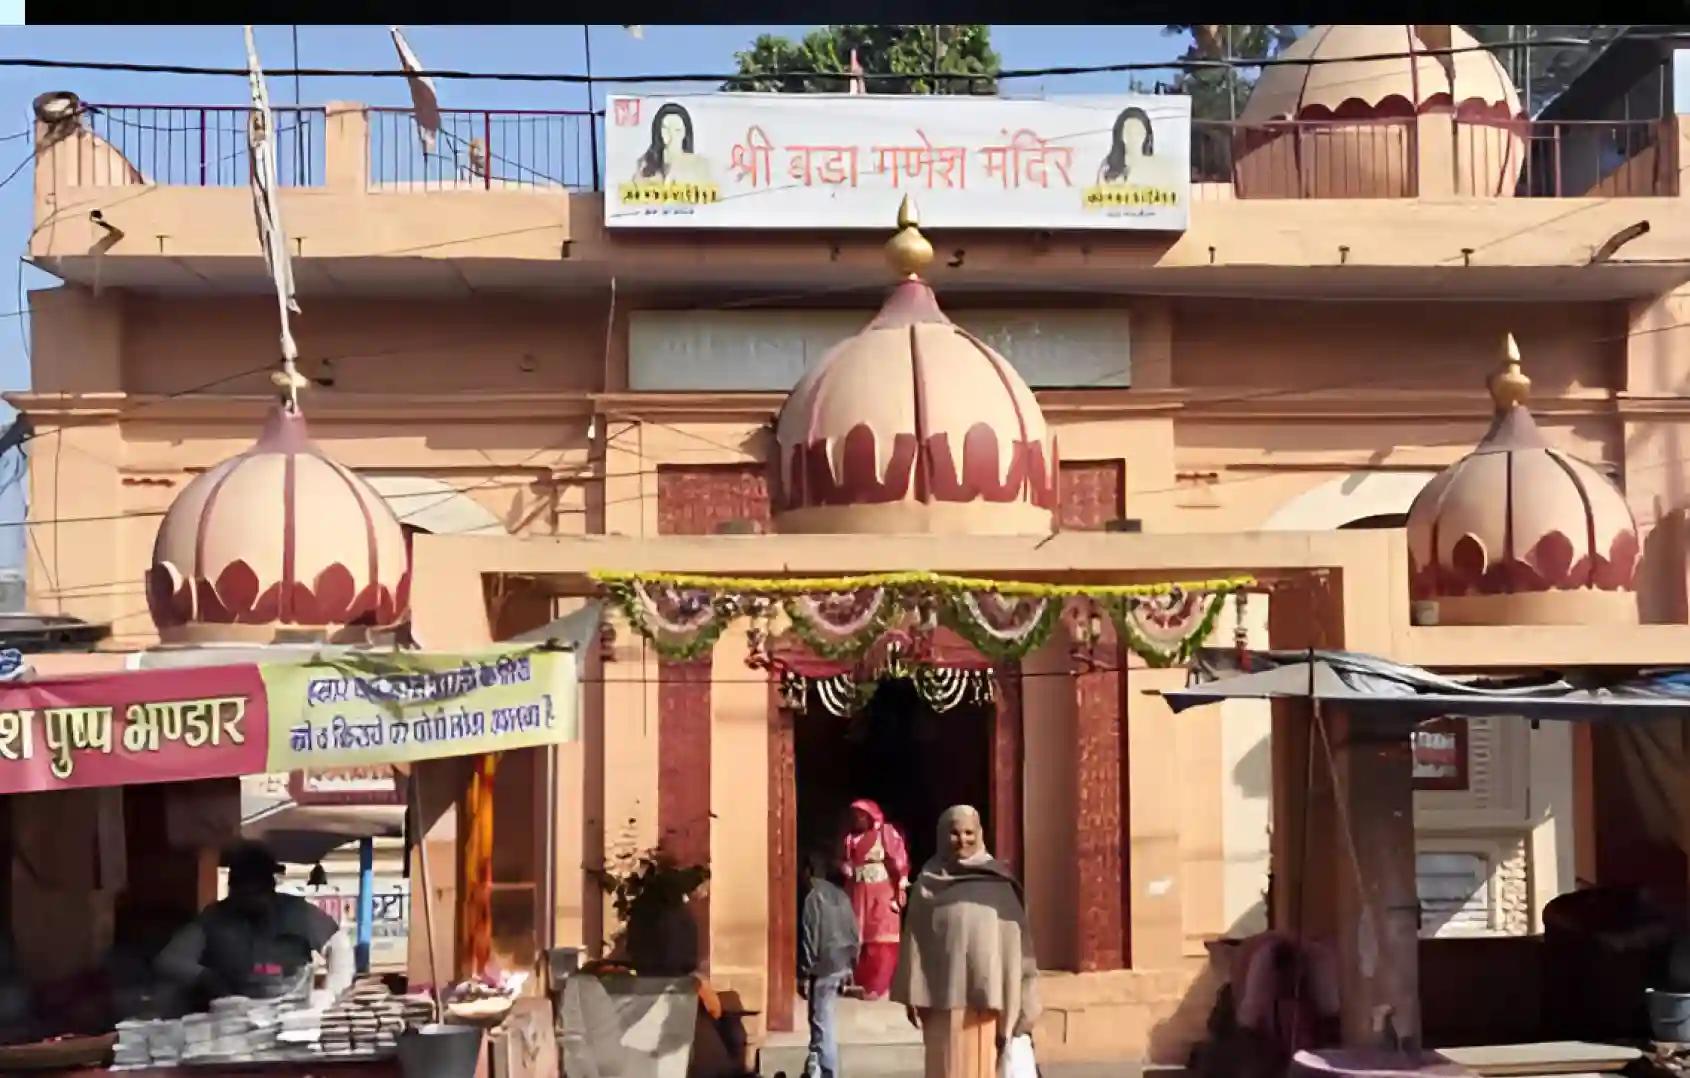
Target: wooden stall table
[(316, 1068)]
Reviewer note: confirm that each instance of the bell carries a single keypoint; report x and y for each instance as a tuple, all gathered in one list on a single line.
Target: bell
[(318, 877)]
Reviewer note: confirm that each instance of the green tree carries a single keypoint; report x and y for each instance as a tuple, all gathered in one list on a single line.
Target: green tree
[(1211, 88), (965, 60)]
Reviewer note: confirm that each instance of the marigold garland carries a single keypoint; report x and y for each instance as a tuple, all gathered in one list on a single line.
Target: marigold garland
[(954, 604), (799, 585), (1152, 652)]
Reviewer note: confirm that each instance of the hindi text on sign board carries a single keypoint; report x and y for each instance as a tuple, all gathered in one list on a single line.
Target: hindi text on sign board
[(757, 161)]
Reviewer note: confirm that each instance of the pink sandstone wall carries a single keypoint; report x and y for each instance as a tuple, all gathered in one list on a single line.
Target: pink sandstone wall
[(496, 398)]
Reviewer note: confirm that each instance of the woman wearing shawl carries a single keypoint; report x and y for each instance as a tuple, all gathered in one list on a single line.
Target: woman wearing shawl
[(966, 972), (877, 869)]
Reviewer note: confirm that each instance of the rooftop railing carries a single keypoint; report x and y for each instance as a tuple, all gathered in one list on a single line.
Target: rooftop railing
[(1575, 158), (550, 149), (1383, 158), (1304, 159), (193, 146), (486, 148)]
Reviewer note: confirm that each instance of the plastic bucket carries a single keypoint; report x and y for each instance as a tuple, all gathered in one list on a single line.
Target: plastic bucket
[(1669, 1015), (437, 1051)]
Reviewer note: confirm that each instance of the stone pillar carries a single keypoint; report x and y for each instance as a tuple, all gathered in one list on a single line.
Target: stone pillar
[(1155, 911), (1378, 908), (1434, 154), (739, 819), (346, 147), (1656, 440), (1050, 804)]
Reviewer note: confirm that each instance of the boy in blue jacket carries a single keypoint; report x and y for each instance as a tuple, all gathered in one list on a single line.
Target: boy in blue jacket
[(827, 952)]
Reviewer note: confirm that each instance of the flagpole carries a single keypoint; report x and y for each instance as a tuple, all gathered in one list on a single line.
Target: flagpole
[(592, 108), (298, 116), (267, 212)]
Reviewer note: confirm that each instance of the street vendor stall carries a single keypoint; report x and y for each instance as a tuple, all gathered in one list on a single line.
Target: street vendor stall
[(91, 758), (1602, 995)]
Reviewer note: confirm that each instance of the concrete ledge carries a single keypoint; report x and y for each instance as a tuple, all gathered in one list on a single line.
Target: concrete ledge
[(1154, 1016)]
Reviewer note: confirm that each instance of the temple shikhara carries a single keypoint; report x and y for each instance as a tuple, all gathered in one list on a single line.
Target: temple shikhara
[(1276, 528)]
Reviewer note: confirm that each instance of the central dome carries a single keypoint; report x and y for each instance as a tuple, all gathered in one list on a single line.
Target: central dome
[(914, 425)]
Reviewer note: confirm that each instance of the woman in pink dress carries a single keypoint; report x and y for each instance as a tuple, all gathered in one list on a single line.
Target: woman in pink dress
[(877, 869)]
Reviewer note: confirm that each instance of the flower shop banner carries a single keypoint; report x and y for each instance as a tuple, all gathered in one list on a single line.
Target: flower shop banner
[(203, 722), (851, 617)]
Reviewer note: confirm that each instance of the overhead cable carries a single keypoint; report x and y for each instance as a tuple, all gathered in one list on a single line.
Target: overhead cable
[(1193, 64)]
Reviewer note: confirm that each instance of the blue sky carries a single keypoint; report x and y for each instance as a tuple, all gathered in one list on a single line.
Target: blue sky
[(693, 49)]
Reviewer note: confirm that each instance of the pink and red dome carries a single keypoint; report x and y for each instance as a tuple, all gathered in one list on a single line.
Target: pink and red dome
[(278, 542), (913, 425), (1343, 127), (1519, 520), (1409, 78)]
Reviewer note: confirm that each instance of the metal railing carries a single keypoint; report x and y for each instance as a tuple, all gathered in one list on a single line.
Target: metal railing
[(1305, 158), (206, 146), (485, 148), (1569, 158), (194, 146), (1380, 159)]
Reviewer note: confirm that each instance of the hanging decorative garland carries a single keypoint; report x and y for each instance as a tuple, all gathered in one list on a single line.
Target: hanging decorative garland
[(841, 624), (843, 618), (1001, 626), (681, 622), (942, 688), (1166, 629)]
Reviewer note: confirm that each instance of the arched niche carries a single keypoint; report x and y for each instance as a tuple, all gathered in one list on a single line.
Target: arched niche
[(1359, 499), (426, 504)]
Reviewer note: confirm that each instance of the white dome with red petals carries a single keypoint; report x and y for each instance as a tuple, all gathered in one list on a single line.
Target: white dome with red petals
[(278, 543), (913, 425)]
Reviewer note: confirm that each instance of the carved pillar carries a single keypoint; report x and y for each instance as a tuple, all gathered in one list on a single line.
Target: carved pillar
[(1007, 763), (783, 863), (683, 773), (1099, 831), (695, 500)]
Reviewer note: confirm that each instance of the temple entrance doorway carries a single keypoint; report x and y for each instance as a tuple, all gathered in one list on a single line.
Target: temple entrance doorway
[(896, 751), (914, 759)]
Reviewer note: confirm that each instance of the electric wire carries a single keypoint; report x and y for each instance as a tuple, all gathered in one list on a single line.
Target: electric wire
[(1222, 63)]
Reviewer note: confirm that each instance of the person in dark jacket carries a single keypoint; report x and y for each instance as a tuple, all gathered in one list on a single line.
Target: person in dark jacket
[(827, 950)]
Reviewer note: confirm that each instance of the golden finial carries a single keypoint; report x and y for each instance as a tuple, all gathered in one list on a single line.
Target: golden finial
[(908, 251), (1510, 387)]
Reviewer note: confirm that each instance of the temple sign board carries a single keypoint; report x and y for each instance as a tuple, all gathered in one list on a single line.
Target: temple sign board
[(784, 161)]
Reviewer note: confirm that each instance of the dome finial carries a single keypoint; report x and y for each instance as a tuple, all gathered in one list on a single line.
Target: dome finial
[(1510, 387), (908, 251)]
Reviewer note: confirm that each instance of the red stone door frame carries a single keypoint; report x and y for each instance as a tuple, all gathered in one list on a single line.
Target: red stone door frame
[(1005, 811)]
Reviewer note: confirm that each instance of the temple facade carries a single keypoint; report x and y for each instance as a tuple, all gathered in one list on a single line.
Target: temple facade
[(1272, 423)]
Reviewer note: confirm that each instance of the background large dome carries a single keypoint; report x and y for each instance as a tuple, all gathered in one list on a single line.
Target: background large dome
[(1345, 129)]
